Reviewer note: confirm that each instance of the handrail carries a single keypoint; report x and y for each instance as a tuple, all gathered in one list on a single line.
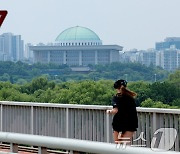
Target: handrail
[(98, 107), (73, 144), (86, 122)]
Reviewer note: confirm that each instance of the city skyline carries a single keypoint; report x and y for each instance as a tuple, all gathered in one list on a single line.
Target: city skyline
[(132, 24)]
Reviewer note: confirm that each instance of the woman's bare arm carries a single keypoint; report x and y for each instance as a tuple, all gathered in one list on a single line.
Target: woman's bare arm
[(113, 111)]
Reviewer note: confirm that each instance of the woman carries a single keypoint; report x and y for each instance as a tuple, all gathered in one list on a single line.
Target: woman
[(124, 107)]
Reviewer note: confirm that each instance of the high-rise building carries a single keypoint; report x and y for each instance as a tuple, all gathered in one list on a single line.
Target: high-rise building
[(150, 57), (170, 59), (77, 46), (12, 46), (130, 56), (17, 48), (3, 55), (28, 54), (168, 42), (6, 43), (1, 44)]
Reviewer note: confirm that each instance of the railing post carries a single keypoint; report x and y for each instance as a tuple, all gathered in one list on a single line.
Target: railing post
[(1, 118), (154, 122), (32, 119), (67, 122), (71, 152), (42, 150), (107, 127), (14, 148)]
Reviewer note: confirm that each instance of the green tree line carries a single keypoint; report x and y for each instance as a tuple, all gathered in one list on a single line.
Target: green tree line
[(158, 94), (21, 73)]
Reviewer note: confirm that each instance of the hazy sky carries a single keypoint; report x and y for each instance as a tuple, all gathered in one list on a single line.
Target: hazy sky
[(130, 23)]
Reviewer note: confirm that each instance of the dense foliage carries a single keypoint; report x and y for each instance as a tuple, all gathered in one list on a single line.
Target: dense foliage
[(157, 94), (21, 73)]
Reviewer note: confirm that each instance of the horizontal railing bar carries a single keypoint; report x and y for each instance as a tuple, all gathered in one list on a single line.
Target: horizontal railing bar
[(73, 144), (158, 110), (30, 149), (98, 107)]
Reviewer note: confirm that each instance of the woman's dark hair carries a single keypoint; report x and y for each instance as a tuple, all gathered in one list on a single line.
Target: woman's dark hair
[(123, 84), (120, 83)]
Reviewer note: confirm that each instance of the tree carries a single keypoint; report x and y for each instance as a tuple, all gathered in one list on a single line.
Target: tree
[(142, 89), (174, 78), (155, 104), (164, 92)]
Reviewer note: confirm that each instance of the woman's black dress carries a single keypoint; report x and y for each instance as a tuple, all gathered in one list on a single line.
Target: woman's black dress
[(126, 117)]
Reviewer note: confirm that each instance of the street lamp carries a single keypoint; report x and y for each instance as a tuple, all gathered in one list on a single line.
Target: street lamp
[(155, 77)]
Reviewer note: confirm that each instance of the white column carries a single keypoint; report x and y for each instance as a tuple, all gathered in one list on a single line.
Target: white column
[(48, 56), (64, 58), (96, 58), (80, 58)]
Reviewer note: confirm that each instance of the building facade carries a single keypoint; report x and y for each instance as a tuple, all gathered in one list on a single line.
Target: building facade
[(130, 56), (76, 46), (168, 42), (150, 57), (11, 47), (28, 54), (170, 59)]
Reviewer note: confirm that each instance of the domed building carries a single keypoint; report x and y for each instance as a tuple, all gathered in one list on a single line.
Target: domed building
[(78, 36), (77, 46)]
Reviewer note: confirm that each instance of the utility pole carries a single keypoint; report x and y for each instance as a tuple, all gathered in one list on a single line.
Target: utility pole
[(155, 77)]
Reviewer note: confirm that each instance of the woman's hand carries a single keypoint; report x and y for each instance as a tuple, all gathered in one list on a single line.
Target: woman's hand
[(113, 111), (108, 111)]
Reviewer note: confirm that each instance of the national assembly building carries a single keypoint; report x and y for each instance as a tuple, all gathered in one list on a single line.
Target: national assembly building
[(77, 46)]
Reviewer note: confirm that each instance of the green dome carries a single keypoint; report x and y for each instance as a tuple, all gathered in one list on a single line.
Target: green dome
[(77, 34)]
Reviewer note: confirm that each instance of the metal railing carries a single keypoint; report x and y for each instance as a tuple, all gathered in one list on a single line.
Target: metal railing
[(85, 122), (44, 142)]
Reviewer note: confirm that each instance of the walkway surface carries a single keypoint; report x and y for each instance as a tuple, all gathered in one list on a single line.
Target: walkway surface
[(5, 151)]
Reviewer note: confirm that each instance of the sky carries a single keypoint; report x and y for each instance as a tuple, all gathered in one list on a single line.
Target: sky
[(129, 23)]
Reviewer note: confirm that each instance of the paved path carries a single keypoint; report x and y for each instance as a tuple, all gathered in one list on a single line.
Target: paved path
[(5, 151)]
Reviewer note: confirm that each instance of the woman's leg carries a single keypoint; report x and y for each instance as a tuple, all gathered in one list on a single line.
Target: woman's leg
[(128, 135), (115, 135)]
